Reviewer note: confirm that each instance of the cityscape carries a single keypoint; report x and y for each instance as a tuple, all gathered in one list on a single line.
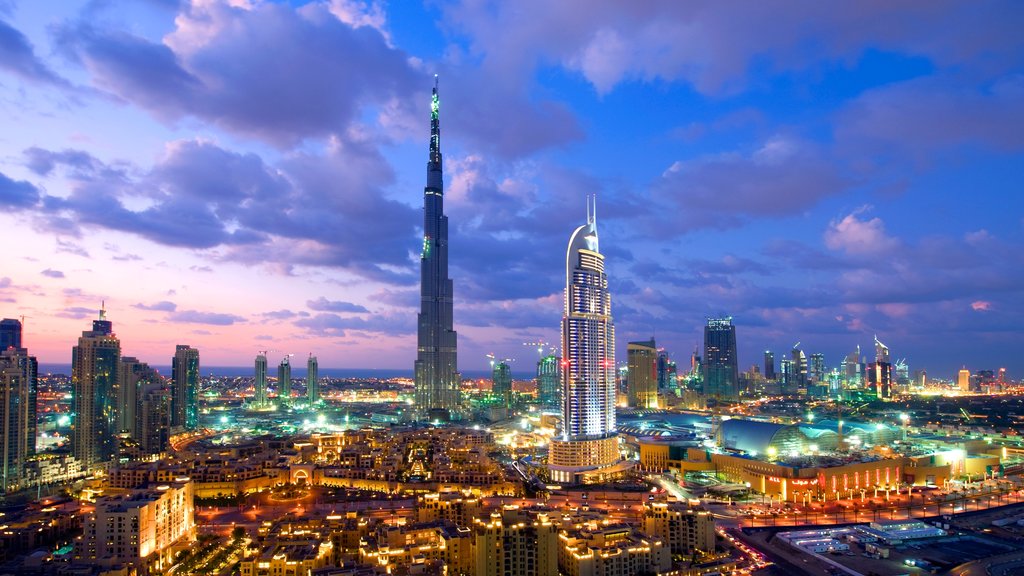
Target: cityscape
[(216, 357)]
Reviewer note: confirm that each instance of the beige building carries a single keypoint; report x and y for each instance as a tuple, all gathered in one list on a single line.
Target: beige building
[(515, 543), (642, 375), (140, 528), (963, 380), (611, 550), (288, 558), (683, 529)]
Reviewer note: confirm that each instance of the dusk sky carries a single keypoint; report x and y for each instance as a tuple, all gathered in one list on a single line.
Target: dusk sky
[(245, 175)]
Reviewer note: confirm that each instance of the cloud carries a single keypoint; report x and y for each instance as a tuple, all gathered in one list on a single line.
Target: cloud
[(783, 176), (162, 306), (322, 304), (718, 50), (981, 306), (283, 314), (263, 70), (211, 318), (76, 312), (18, 57), (335, 325), (855, 235), (51, 273), (17, 194)]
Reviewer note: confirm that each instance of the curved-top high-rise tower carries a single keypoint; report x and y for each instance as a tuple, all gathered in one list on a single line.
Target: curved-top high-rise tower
[(437, 377), (587, 450)]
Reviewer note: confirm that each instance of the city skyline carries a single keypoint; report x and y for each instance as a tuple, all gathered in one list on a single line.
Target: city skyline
[(823, 179)]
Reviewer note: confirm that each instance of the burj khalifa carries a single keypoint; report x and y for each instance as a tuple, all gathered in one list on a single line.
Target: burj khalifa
[(437, 378)]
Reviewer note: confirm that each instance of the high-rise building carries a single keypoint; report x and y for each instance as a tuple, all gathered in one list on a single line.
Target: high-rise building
[(881, 351), (18, 384), (549, 380), (94, 387), (10, 334), (501, 383), (769, 365), (721, 368), (260, 377), (284, 380), (587, 448), (436, 371), (798, 367), (133, 377), (153, 417), (312, 381), (140, 529), (963, 380), (185, 387), (816, 371), (642, 360), (852, 371)]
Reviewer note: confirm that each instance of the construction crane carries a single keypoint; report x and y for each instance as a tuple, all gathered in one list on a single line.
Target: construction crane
[(539, 346)]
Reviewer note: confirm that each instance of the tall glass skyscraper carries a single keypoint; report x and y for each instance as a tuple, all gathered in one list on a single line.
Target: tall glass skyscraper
[(312, 381), (436, 372), (185, 387), (284, 380), (94, 382), (501, 383), (260, 373), (721, 371), (549, 382), (587, 450), (642, 380)]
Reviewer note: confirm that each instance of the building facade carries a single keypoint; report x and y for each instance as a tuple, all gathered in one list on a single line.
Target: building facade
[(284, 380), (312, 381), (549, 382), (185, 387), (436, 372), (587, 446), (642, 378), (95, 362), (260, 377), (18, 385), (721, 368)]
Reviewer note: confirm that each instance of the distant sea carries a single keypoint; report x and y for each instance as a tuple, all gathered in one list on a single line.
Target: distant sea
[(297, 372)]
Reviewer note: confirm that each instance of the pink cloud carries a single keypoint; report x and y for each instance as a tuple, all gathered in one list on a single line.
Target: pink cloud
[(981, 306)]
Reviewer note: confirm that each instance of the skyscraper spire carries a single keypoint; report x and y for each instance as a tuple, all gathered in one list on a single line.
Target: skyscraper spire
[(436, 372)]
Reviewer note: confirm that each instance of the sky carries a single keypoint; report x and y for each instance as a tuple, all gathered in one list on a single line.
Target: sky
[(247, 175)]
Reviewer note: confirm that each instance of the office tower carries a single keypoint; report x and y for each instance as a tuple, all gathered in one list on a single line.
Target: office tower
[(963, 380), (141, 529), (18, 384), (284, 380), (798, 368), (852, 368), (817, 368), (501, 383), (769, 365), (881, 351), (879, 378), (587, 448), (785, 374), (436, 371), (312, 381), (879, 374), (153, 416), (10, 334), (133, 377), (721, 370), (642, 359), (662, 372), (185, 387), (261, 379), (94, 387), (549, 382)]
